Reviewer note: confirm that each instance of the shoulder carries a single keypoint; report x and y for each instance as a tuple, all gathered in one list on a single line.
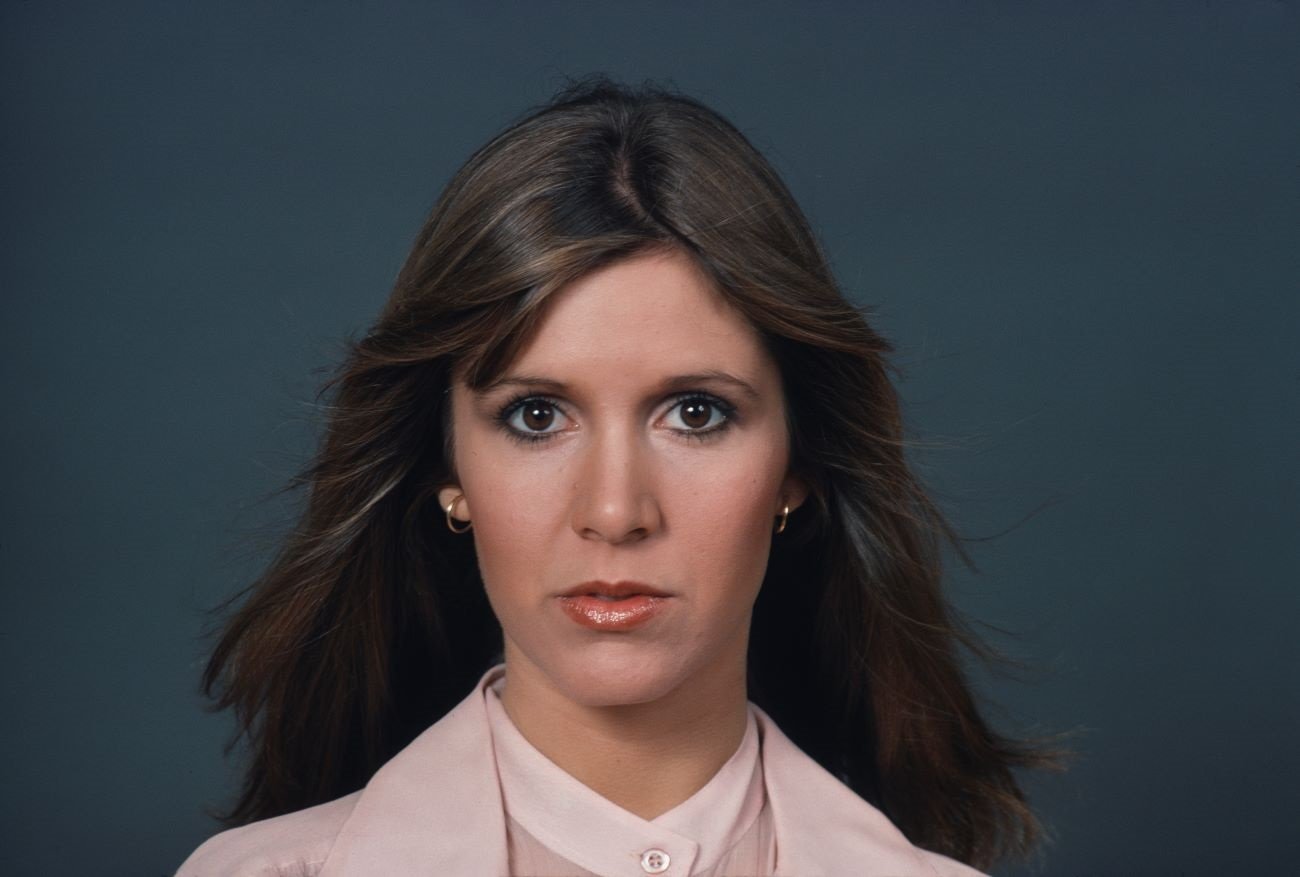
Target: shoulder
[(947, 867), (292, 845), (824, 827)]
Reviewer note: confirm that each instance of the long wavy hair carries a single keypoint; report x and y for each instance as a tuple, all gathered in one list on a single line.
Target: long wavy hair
[(371, 622)]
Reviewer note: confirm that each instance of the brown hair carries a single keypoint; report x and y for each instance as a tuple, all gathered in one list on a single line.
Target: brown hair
[(371, 622)]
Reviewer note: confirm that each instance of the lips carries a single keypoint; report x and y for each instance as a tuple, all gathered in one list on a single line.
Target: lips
[(613, 606), (614, 590)]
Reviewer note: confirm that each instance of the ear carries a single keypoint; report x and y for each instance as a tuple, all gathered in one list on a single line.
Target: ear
[(452, 492), (793, 492)]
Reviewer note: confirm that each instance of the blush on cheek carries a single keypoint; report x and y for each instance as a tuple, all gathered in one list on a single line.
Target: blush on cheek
[(737, 528), (749, 494)]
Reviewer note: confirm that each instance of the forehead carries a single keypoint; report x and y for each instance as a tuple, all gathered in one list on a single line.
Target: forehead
[(654, 312)]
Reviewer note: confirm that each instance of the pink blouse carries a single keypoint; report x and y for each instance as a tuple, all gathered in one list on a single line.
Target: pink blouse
[(470, 796), (557, 827)]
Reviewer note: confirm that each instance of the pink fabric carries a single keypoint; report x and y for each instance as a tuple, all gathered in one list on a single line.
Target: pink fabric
[(436, 808), (754, 855), (568, 828)]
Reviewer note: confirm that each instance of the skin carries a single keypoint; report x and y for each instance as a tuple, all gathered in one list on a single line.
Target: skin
[(630, 483)]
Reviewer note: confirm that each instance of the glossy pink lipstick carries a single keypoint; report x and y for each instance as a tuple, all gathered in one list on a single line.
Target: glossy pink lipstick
[(616, 606)]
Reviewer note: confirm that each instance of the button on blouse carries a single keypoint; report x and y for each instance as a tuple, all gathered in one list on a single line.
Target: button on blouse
[(558, 827)]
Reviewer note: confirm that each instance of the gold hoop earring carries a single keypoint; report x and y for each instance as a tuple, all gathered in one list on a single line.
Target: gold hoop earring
[(785, 516), (451, 523)]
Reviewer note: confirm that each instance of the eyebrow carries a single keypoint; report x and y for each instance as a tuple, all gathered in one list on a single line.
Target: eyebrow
[(675, 384)]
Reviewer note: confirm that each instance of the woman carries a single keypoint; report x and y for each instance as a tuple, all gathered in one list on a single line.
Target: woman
[(612, 562)]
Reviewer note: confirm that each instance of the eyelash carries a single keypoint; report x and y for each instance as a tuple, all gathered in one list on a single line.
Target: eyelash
[(724, 407)]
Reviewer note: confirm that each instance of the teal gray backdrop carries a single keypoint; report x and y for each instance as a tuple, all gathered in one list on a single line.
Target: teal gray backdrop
[(1078, 223)]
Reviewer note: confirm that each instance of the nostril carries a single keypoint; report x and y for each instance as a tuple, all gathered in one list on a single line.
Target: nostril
[(628, 514)]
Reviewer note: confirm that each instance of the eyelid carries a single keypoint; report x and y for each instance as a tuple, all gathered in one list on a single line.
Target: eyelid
[(506, 412), (725, 408), (511, 407), (503, 414)]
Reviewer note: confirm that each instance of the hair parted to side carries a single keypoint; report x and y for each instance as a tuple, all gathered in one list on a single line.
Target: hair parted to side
[(371, 622)]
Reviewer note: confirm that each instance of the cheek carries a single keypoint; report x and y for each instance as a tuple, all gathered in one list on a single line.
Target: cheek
[(515, 517), (731, 503), (507, 503), (509, 489), (726, 521)]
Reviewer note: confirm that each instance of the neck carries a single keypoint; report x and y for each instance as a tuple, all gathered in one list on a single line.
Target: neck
[(648, 757)]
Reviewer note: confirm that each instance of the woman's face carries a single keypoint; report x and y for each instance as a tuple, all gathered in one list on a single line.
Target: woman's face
[(639, 437)]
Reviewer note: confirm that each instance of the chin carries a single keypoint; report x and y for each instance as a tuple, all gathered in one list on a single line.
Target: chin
[(617, 679)]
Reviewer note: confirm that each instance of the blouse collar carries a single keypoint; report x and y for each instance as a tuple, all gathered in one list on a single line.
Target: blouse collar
[(596, 834), (436, 808)]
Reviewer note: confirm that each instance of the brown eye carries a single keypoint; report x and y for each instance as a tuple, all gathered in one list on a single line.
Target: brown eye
[(699, 414), (534, 419), (696, 413), (537, 415)]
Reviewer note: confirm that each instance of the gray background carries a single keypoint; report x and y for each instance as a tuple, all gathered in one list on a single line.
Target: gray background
[(1077, 222)]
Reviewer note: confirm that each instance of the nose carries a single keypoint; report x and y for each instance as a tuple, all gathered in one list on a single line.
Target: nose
[(615, 500)]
